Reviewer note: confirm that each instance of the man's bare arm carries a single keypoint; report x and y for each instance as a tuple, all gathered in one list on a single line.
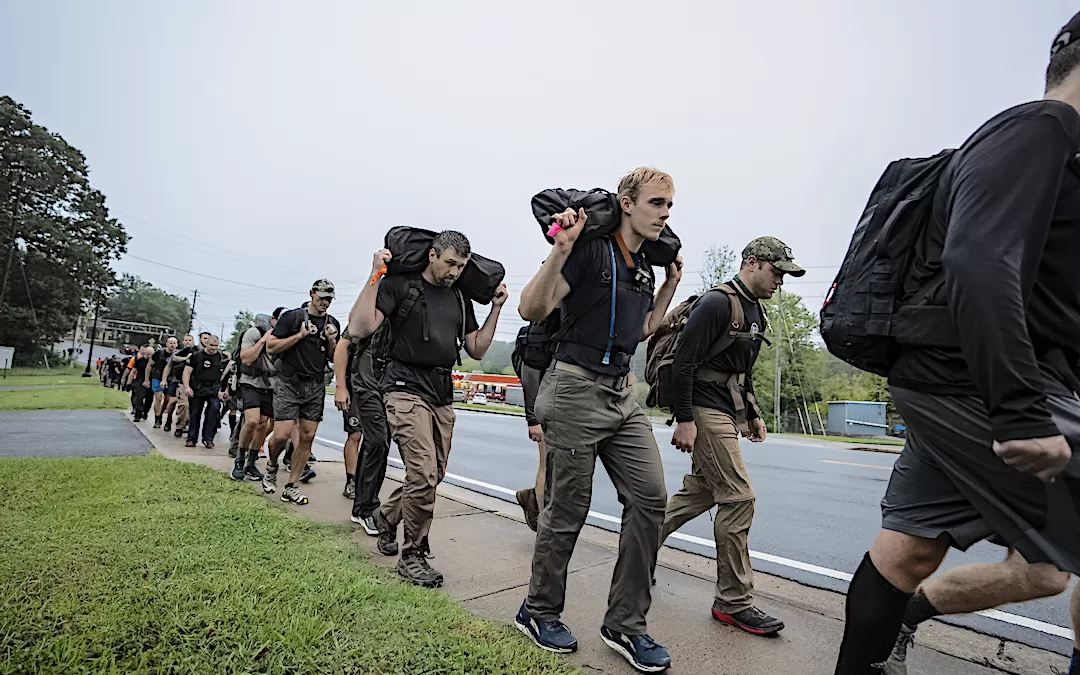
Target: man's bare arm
[(478, 342), (364, 317)]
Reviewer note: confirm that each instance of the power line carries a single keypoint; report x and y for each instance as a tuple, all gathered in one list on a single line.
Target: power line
[(210, 276)]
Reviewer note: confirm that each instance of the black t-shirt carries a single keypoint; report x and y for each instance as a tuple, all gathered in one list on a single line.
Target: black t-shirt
[(424, 345), (157, 364), (586, 315), (206, 369), (176, 370), (1004, 245), (709, 320), (141, 364), (307, 358)]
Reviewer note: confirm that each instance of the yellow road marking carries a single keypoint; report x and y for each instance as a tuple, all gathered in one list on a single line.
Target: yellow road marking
[(865, 466)]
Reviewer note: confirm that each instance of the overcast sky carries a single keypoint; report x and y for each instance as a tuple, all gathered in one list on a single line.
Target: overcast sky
[(274, 143)]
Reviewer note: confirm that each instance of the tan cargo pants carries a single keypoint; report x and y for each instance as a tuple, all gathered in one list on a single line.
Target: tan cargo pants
[(423, 433), (181, 409), (718, 478)]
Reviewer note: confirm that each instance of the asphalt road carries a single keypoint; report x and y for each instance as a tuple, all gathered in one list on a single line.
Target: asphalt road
[(816, 506)]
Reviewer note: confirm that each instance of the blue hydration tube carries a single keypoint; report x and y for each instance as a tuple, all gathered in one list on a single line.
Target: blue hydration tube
[(611, 325)]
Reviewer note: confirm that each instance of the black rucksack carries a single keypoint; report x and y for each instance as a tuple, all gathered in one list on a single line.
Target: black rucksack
[(867, 313), (536, 342), (605, 215)]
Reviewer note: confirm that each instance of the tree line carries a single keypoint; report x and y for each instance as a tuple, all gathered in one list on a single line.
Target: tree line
[(57, 244)]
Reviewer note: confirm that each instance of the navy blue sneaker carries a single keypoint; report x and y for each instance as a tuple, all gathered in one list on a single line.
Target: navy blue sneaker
[(553, 636), (640, 650), (238, 468), (308, 474)]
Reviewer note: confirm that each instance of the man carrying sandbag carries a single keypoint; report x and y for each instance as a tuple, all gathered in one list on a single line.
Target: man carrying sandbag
[(430, 321), (587, 408)]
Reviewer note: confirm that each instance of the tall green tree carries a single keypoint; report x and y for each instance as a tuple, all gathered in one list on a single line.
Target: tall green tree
[(791, 328), (133, 299), (243, 320), (57, 239)]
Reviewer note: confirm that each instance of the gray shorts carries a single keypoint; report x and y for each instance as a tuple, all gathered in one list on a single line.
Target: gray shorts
[(949, 481), (295, 398)]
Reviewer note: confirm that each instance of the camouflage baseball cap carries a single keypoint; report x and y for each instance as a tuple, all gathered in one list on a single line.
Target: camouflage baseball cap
[(772, 250), (323, 288)]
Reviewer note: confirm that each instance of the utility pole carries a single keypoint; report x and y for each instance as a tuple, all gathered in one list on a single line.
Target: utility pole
[(11, 239), (93, 334), (778, 351), (191, 317)]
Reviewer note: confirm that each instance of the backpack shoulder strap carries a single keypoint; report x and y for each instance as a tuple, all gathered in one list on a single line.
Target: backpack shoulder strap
[(413, 291), (461, 334)]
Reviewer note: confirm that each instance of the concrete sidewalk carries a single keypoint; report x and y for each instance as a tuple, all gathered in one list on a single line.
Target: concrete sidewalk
[(484, 551)]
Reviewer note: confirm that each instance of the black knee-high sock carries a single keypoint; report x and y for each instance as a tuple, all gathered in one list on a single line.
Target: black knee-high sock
[(919, 609), (875, 610)]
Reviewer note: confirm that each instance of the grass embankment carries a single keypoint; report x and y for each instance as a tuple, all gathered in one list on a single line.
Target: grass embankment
[(493, 407), (64, 398), (145, 565), (852, 440)]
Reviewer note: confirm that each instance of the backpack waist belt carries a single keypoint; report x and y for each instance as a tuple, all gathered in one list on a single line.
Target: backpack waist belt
[(610, 381), (736, 386)]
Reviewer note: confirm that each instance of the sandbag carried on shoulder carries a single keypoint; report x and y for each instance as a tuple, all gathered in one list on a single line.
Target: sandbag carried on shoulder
[(605, 216), (409, 248)]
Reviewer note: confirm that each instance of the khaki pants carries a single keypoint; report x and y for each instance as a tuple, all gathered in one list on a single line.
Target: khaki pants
[(181, 409), (718, 478), (423, 433), (584, 420)]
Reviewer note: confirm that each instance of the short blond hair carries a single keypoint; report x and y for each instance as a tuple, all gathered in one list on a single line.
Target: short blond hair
[(631, 183)]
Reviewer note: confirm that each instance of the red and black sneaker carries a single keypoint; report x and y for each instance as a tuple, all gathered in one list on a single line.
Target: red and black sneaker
[(189, 444), (752, 620)]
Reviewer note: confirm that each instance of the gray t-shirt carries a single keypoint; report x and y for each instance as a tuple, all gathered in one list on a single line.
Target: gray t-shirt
[(250, 338)]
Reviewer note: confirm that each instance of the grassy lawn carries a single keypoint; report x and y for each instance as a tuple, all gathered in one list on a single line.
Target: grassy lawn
[(145, 565), (65, 398), (67, 379)]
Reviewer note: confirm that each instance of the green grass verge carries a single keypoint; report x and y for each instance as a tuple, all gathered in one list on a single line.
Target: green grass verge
[(65, 398), (45, 372), (68, 379), (145, 565), (496, 407), (856, 441)]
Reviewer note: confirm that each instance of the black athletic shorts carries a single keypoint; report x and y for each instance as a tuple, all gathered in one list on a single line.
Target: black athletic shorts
[(352, 415), (253, 397), (949, 481)]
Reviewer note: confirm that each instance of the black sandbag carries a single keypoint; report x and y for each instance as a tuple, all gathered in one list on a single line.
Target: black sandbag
[(605, 216), (480, 278), (600, 206), (409, 247), (663, 251)]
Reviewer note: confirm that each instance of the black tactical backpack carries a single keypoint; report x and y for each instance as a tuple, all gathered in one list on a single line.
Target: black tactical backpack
[(867, 314)]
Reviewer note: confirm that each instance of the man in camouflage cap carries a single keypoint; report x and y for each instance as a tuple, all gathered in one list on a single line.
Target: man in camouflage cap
[(775, 252), (715, 404)]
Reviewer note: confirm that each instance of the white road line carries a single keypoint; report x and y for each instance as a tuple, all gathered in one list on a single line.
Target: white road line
[(997, 615)]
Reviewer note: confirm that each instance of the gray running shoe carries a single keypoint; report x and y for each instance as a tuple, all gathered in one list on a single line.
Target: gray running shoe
[(269, 480), (897, 663), (350, 490), (292, 493)]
